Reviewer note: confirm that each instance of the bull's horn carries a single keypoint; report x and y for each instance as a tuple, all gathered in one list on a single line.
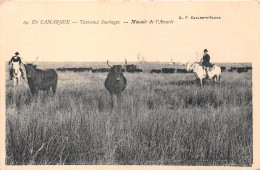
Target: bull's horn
[(35, 60), (108, 64)]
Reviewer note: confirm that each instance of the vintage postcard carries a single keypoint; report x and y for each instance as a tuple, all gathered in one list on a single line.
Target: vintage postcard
[(129, 85)]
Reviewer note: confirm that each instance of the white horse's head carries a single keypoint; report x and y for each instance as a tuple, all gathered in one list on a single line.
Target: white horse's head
[(188, 66), (192, 66)]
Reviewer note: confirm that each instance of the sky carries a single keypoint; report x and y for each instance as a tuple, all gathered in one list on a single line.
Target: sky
[(233, 38)]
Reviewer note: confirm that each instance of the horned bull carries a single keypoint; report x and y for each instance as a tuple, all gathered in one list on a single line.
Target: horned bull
[(41, 79), (115, 83)]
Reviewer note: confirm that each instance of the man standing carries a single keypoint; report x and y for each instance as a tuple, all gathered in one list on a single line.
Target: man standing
[(15, 58)]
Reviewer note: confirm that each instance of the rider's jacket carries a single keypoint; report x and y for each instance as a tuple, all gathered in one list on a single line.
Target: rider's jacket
[(15, 59), (206, 58), (206, 61)]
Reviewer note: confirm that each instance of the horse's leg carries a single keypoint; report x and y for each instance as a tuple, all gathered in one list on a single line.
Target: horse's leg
[(217, 79), (22, 74), (214, 78), (19, 80), (15, 81), (11, 74), (200, 82)]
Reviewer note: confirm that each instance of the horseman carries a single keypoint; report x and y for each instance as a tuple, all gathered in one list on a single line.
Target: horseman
[(15, 58), (206, 61)]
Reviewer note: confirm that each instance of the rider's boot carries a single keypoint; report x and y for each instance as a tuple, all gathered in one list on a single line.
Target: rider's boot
[(11, 74), (22, 73), (207, 75)]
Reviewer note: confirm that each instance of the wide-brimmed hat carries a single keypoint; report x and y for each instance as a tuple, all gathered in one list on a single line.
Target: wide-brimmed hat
[(16, 53), (205, 50)]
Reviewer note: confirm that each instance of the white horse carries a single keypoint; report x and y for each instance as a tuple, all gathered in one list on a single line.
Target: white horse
[(200, 72), (17, 75)]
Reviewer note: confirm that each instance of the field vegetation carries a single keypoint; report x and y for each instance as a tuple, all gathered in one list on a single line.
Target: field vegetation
[(165, 119)]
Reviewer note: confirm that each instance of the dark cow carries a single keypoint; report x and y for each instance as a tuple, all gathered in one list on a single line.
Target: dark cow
[(249, 68), (41, 79), (138, 70), (223, 69), (100, 70), (103, 70), (61, 69), (233, 69), (182, 71), (242, 69), (156, 71), (80, 69), (131, 68), (96, 70), (168, 70), (115, 83)]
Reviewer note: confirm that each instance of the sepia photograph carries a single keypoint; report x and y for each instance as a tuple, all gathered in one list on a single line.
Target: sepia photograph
[(129, 83)]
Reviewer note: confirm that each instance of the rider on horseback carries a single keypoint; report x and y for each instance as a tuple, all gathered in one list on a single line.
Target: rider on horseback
[(15, 58), (206, 61)]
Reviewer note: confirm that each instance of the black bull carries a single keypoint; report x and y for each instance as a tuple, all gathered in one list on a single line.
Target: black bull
[(115, 83), (41, 79)]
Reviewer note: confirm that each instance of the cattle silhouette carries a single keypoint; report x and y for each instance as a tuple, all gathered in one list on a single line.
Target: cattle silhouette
[(41, 79), (115, 83)]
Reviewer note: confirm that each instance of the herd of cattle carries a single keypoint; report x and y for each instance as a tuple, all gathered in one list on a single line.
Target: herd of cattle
[(115, 82), (131, 68), (169, 70), (240, 69)]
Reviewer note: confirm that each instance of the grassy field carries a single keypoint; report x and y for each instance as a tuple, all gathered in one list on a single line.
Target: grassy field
[(165, 120)]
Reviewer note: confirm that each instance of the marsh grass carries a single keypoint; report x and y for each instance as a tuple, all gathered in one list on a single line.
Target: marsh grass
[(164, 120)]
